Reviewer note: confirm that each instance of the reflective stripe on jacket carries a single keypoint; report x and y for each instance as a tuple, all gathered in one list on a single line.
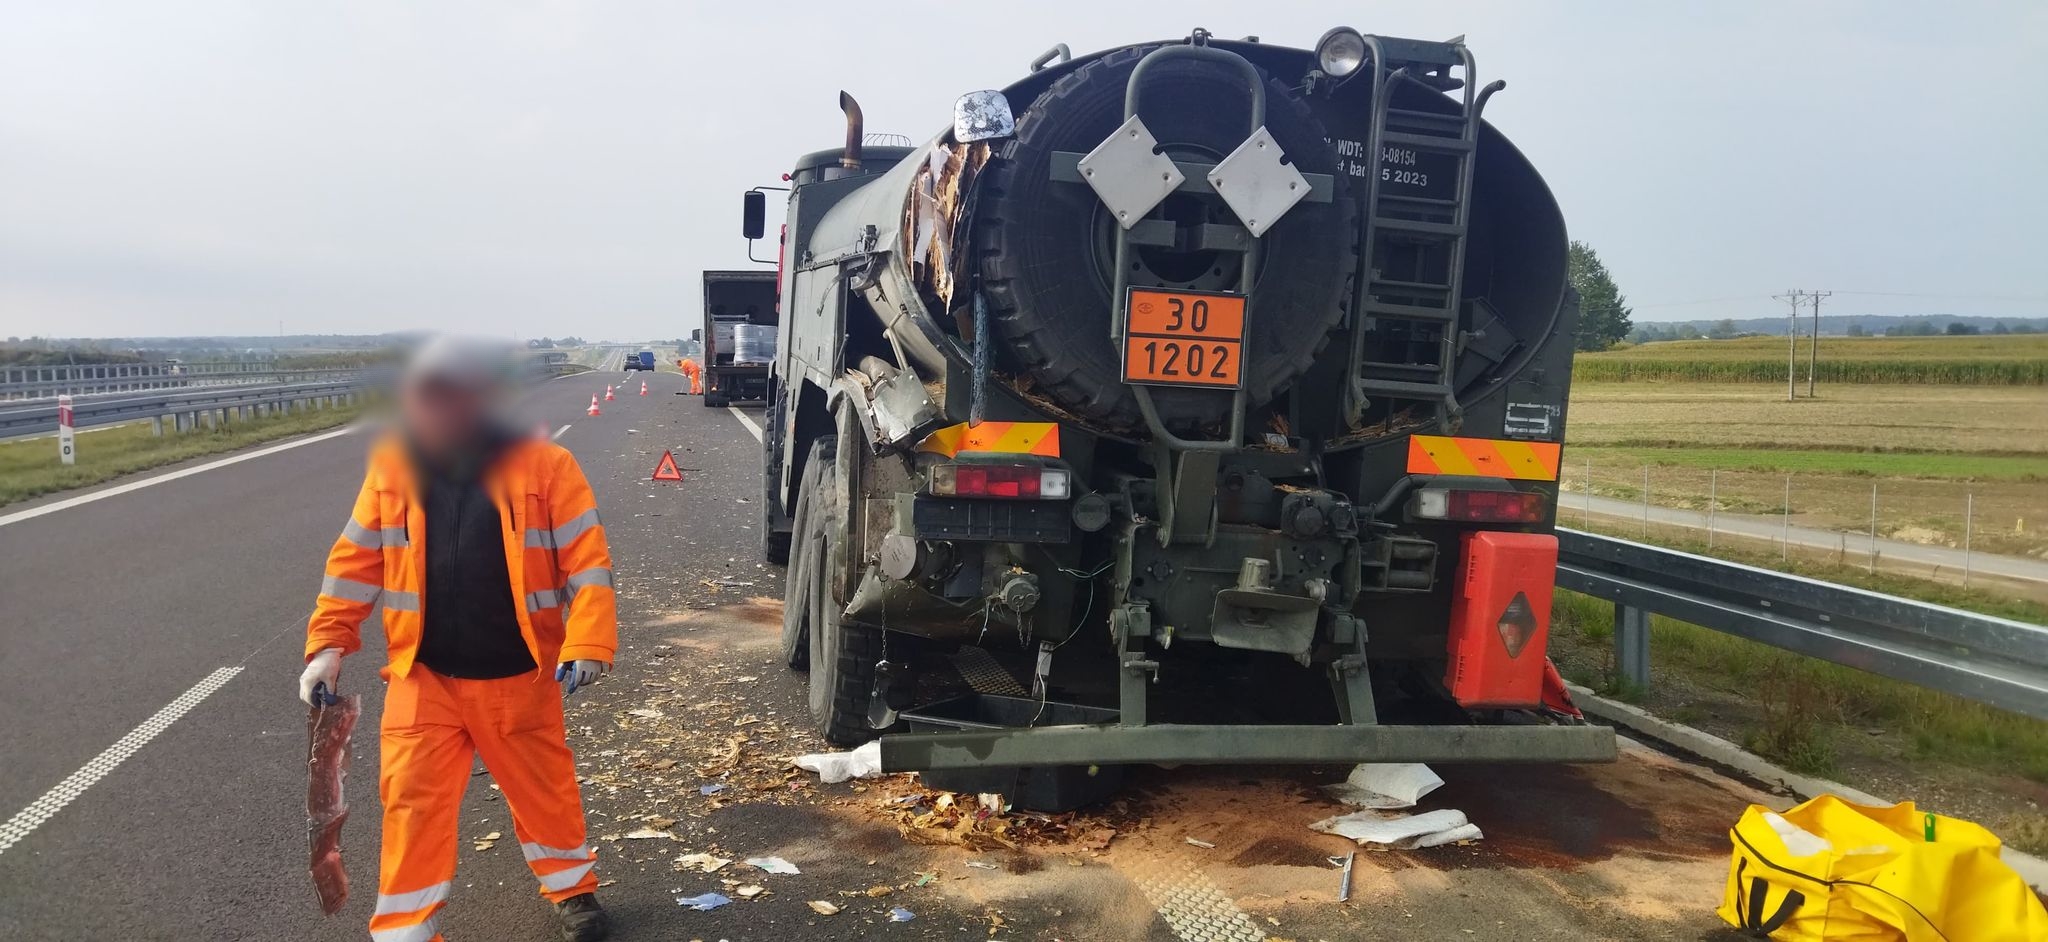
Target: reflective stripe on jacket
[(555, 553)]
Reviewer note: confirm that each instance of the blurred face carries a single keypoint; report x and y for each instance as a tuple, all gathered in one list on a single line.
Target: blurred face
[(442, 418)]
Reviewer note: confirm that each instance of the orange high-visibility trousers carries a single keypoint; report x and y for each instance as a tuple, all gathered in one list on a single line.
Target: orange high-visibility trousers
[(433, 726)]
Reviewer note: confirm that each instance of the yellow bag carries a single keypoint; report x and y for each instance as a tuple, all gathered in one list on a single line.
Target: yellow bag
[(1829, 870)]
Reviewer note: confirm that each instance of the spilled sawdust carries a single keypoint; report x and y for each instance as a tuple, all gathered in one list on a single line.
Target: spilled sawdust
[(1640, 839)]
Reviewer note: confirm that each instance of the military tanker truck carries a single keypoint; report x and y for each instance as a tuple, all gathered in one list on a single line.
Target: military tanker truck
[(1209, 392)]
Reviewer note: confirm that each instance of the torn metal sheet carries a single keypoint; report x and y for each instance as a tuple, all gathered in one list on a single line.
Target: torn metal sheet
[(933, 238), (1404, 831), (1386, 785), (328, 726), (903, 409)]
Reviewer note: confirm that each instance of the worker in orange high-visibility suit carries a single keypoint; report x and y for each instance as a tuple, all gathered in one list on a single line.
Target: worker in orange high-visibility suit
[(484, 551), (696, 375)]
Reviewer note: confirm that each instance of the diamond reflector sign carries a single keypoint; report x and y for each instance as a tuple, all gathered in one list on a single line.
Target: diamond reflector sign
[(1517, 624)]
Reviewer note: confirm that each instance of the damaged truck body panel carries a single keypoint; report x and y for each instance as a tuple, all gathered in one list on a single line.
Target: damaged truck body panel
[(1215, 387)]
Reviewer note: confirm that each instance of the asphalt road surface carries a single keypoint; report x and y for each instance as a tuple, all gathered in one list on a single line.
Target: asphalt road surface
[(152, 754)]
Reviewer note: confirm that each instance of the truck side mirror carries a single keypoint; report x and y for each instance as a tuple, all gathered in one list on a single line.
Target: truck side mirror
[(697, 336), (754, 215)]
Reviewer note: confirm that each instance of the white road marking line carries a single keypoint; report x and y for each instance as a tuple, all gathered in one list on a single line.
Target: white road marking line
[(1193, 907), (558, 433), (753, 427), (68, 503), (43, 809)]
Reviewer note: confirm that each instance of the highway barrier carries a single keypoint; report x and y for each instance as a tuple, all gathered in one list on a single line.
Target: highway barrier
[(187, 407), (1995, 661), (24, 382)]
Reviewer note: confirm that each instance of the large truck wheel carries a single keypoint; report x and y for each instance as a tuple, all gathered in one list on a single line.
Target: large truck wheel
[(1047, 246), (843, 654), (801, 582), (774, 543)]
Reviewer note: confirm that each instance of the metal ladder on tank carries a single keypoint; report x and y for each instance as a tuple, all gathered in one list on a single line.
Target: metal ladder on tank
[(1411, 295)]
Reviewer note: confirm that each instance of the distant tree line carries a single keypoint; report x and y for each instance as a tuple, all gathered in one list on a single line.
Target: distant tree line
[(1924, 328), (1727, 330)]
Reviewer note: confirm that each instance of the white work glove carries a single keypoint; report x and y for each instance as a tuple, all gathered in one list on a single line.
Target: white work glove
[(321, 668), (581, 673)]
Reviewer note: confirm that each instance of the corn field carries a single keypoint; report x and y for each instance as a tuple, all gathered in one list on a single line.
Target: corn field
[(2017, 360), (2017, 372)]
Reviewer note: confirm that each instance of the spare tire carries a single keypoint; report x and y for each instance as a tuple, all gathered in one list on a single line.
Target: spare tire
[(1048, 247)]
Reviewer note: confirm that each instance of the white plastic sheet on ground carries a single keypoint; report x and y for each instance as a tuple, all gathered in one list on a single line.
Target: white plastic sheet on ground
[(864, 762), (1403, 831), (1386, 785)]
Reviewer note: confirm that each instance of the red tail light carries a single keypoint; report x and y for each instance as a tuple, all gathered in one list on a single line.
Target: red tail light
[(1479, 506), (1013, 481)]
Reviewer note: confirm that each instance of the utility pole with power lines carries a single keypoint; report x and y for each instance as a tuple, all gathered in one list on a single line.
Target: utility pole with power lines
[(1813, 351), (1792, 297)]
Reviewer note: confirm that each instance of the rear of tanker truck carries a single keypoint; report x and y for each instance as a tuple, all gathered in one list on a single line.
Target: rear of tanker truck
[(1189, 401)]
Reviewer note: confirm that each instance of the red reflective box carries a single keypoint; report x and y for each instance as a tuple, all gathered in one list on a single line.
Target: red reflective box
[(1500, 619)]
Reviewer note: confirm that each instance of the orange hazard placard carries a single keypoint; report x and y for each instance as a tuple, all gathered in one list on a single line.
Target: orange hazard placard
[(1184, 338), (1483, 457), (667, 470)]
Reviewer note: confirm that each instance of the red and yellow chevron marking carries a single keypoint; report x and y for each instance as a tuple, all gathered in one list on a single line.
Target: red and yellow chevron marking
[(1007, 438), (1483, 457)]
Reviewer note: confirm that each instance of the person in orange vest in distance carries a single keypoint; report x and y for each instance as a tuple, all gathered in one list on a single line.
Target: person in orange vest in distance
[(696, 375), (483, 549)]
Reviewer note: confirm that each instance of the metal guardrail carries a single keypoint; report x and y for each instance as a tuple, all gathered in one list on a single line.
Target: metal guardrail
[(19, 382), (108, 410), (1995, 661)]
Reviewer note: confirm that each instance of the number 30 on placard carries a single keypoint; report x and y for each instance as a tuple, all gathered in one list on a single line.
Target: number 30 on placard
[(1184, 338)]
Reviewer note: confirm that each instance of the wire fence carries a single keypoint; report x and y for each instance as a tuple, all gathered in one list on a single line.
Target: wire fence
[(1939, 528)]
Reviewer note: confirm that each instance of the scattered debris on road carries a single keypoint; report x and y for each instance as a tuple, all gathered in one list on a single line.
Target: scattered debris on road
[(703, 863), (835, 767), (1404, 831), (773, 865), (1386, 785), (704, 902)]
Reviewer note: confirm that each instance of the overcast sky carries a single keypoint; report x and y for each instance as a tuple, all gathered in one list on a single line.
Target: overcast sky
[(208, 167)]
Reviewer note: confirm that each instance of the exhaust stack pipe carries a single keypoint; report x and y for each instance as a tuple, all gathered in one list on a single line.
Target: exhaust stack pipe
[(849, 159)]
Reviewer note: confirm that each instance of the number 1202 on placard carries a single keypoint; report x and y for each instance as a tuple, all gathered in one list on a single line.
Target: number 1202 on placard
[(1184, 338)]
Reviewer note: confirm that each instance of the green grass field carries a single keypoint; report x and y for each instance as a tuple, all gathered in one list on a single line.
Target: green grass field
[(2020, 360), (29, 468)]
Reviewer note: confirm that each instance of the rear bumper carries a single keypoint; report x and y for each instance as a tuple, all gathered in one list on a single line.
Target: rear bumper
[(1251, 745)]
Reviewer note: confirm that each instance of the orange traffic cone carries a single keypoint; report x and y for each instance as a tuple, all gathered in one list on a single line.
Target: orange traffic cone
[(643, 387), (593, 407), (607, 394)]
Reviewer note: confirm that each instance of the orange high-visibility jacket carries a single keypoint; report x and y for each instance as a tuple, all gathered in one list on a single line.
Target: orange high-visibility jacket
[(555, 552)]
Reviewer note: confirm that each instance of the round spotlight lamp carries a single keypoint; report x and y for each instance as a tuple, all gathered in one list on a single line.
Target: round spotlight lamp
[(1340, 52)]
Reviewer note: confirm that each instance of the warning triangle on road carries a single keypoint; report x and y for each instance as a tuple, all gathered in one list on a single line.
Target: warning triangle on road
[(667, 470)]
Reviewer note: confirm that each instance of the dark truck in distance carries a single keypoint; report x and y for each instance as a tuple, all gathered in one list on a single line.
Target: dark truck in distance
[(739, 332), (1216, 389)]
